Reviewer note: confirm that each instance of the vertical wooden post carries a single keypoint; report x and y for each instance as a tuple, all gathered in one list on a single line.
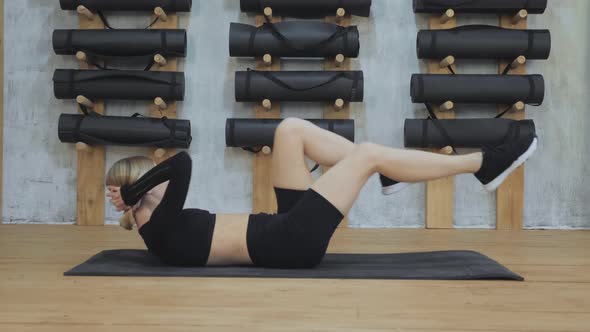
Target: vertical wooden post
[(159, 107), (335, 109), (263, 196), (510, 196), (91, 162), (440, 202)]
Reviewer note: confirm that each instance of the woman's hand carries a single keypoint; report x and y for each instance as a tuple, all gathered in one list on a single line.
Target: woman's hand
[(115, 196)]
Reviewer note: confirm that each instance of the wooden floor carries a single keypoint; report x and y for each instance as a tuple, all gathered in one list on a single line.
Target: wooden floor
[(34, 296)]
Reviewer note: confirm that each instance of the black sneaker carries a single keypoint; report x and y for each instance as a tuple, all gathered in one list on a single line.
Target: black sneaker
[(501, 161), (390, 186)]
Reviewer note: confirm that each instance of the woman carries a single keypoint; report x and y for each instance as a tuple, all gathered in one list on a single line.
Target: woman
[(308, 212)]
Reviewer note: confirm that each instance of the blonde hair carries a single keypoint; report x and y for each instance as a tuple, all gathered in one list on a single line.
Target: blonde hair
[(126, 172)]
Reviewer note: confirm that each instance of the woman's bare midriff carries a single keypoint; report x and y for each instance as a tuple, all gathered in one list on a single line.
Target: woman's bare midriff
[(228, 246)]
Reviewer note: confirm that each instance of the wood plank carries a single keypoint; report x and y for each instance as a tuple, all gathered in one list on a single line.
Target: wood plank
[(263, 197), (510, 195), (171, 65), (330, 110), (91, 163), (440, 194)]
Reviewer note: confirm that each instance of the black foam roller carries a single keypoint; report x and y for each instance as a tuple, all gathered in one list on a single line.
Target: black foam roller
[(293, 39), (307, 8), (121, 42), (491, 89), (299, 85), (483, 42), (118, 84), (480, 6), (464, 133), (128, 5), (127, 131), (244, 133)]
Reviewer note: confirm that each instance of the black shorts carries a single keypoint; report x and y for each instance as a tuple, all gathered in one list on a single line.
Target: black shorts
[(296, 237)]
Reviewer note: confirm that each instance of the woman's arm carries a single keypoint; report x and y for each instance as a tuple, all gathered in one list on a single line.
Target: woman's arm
[(176, 169)]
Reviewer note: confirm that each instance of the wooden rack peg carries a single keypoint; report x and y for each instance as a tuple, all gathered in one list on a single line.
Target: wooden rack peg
[(160, 60), (521, 15), (84, 101), (339, 60), (266, 150), (267, 104), (446, 106), (268, 13), (81, 146), (161, 14), (448, 61), (340, 14), (520, 61), (267, 59), (159, 153), (81, 56), (517, 107), (447, 16), (339, 104), (82, 10), (160, 103)]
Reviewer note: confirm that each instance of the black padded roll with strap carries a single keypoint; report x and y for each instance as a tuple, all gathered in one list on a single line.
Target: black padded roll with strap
[(118, 84), (304, 86), (293, 39), (250, 133), (121, 43), (127, 131), (128, 5), (483, 42), (491, 89), (464, 133), (307, 8), (480, 6)]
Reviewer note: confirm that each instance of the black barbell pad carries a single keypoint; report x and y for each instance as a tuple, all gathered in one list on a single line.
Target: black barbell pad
[(483, 42), (244, 133), (465, 133), (305, 86), (307, 8), (121, 42), (491, 89), (128, 5), (126, 131), (480, 6), (118, 84), (303, 39)]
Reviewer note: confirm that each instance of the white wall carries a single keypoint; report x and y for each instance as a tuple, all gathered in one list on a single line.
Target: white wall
[(39, 171)]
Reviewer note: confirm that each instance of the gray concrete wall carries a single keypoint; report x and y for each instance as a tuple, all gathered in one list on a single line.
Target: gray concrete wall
[(39, 172)]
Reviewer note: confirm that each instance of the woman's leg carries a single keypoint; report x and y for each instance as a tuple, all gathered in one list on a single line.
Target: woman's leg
[(343, 182), (295, 139)]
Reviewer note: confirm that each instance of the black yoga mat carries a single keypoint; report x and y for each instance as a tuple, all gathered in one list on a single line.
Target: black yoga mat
[(441, 265), (247, 133), (492, 89), (118, 84), (293, 39), (128, 5), (121, 42), (483, 42), (464, 133), (480, 6), (127, 131), (307, 8), (305, 86)]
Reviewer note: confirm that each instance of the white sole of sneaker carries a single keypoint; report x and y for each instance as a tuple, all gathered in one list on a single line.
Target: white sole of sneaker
[(494, 184), (394, 189)]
